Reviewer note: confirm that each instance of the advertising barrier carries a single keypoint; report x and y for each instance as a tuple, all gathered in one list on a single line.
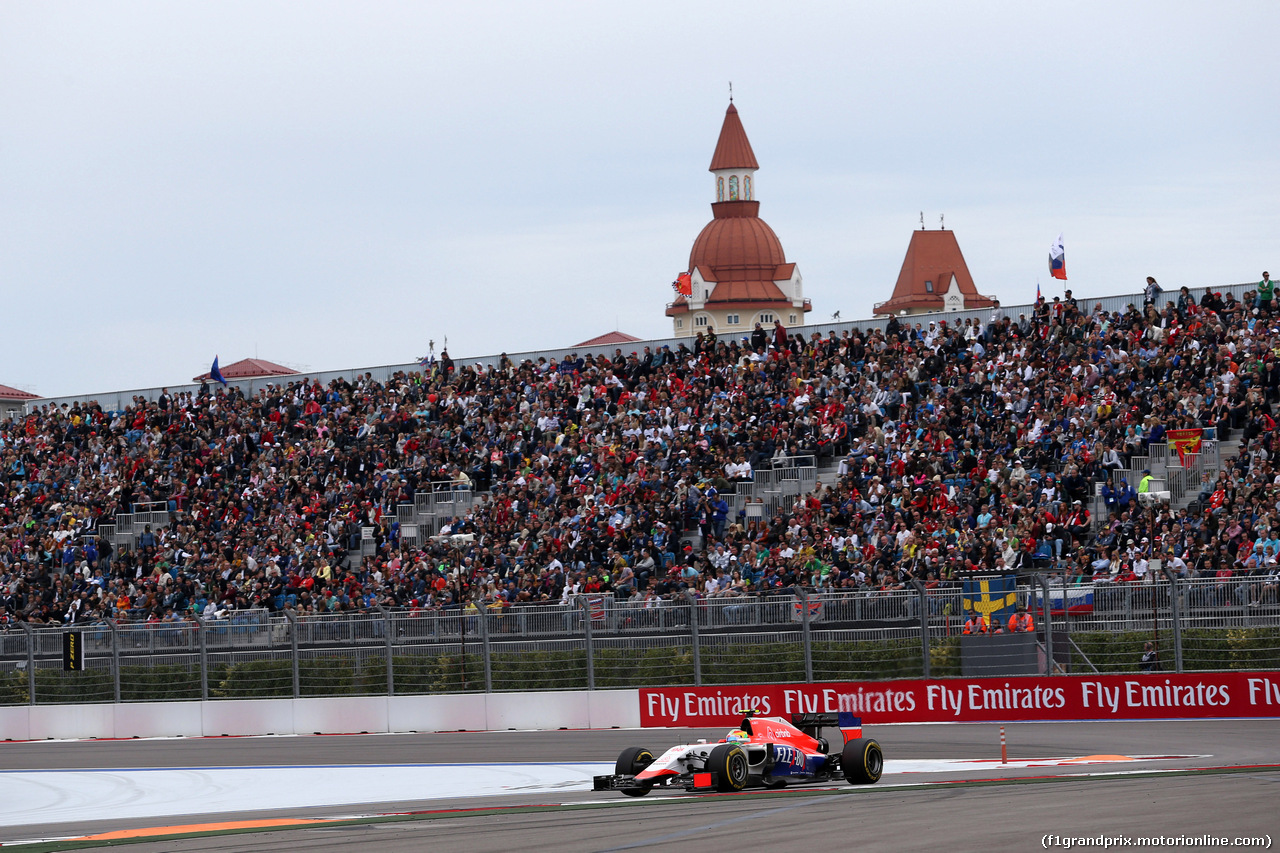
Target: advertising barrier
[(1138, 696)]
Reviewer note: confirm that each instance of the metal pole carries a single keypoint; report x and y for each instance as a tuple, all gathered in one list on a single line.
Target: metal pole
[(115, 657), (586, 630), (201, 631), (31, 663), (924, 627), (1175, 616), (1048, 620), (1066, 621), (806, 636), (293, 649), (391, 678), (483, 610), (696, 646), (462, 625)]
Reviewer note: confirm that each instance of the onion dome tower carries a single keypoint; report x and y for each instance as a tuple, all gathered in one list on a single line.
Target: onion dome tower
[(738, 273)]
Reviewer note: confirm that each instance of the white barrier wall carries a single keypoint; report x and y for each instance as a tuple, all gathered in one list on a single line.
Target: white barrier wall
[(600, 709)]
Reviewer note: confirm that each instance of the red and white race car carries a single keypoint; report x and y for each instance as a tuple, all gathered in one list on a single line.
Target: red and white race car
[(765, 751)]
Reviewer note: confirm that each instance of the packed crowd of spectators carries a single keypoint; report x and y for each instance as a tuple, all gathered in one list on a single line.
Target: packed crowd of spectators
[(961, 446)]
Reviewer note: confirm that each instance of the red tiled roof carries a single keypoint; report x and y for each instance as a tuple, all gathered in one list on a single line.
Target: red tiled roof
[(7, 393), (932, 256), (746, 291), (733, 151), (734, 241), (608, 339), (249, 368)]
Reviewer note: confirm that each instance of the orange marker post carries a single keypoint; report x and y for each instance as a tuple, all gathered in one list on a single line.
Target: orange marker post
[(1004, 751)]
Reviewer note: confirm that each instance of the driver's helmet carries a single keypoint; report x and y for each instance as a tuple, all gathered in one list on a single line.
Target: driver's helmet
[(737, 736)]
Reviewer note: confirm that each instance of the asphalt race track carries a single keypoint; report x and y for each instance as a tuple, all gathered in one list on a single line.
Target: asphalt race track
[(1226, 783)]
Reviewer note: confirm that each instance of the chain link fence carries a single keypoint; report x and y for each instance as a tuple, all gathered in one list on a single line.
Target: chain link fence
[(599, 642)]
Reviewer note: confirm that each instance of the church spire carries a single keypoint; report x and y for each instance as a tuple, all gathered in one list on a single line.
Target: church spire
[(734, 165), (733, 151)]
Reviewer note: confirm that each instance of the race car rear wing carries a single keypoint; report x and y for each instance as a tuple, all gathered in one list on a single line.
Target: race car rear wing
[(813, 724)]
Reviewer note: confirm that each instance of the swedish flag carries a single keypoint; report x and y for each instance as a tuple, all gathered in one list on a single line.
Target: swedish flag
[(995, 598)]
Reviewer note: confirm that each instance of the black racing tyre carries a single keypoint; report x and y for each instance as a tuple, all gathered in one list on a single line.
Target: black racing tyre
[(862, 761), (631, 761), (729, 762)]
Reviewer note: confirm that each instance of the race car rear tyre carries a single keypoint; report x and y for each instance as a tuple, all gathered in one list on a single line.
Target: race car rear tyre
[(632, 760), (729, 762), (862, 761)]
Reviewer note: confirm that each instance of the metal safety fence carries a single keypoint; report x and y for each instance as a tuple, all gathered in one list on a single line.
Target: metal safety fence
[(599, 641)]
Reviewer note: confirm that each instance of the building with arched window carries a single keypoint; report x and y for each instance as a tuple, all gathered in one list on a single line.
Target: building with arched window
[(739, 275)]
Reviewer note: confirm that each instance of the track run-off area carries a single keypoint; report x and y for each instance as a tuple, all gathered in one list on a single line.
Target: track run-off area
[(944, 787)]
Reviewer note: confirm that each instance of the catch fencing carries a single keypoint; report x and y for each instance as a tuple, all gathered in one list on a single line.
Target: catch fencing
[(598, 641)]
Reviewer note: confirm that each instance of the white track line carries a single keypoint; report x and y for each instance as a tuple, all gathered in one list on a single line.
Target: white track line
[(61, 796)]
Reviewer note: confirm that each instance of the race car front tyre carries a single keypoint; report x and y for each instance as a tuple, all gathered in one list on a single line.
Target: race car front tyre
[(862, 761), (632, 760), (729, 762)]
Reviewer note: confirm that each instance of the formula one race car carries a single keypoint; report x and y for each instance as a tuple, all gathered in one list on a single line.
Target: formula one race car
[(765, 751)]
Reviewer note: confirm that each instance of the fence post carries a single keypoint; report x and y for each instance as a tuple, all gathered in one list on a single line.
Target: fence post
[(1175, 616), (293, 649), (806, 637), (201, 632), (391, 677), (586, 632), (695, 645), (924, 627), (484, 641), (31, 662), (115, 659), (1046, 609)]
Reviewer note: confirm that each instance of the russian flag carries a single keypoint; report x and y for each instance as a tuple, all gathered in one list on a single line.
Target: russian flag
[(1058, 260)]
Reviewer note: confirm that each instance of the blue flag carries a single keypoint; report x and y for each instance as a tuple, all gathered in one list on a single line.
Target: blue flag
[(215, 373)]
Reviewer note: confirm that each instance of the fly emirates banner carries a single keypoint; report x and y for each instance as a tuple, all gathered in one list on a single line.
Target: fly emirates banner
[(1137, 696)]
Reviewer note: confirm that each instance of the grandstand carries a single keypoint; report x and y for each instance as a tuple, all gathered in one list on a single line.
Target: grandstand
[(865, 467)]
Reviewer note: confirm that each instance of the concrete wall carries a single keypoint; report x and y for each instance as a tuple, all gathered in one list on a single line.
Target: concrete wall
[(600, 709)]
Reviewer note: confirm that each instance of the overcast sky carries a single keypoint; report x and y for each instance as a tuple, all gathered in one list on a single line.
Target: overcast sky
[(331, 185)]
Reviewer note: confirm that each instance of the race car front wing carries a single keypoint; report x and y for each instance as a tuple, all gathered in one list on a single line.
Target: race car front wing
[(701, 780)]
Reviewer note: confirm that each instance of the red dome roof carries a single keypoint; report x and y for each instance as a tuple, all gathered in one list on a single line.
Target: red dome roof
[(732, 243)]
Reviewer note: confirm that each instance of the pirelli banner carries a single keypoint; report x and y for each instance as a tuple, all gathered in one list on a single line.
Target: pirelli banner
[(1137, 696)]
